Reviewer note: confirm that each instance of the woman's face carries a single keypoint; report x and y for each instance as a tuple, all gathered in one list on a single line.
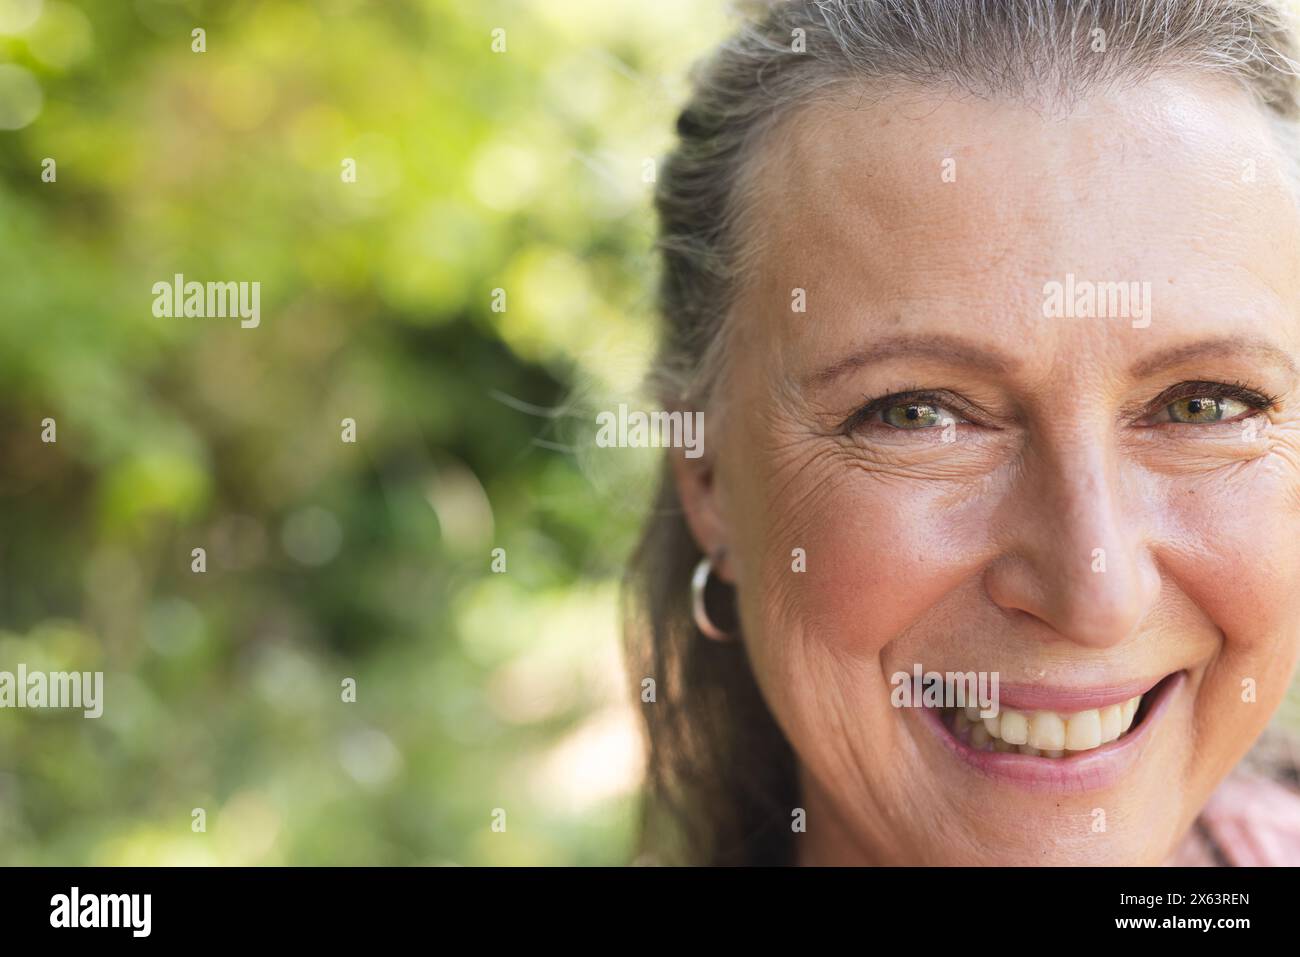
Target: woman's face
[(1091, 505)]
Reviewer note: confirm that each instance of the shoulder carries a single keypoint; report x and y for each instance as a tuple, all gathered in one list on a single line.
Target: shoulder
[(1254, 821)]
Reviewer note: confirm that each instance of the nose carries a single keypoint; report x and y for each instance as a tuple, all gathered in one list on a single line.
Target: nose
[(1077, 557)]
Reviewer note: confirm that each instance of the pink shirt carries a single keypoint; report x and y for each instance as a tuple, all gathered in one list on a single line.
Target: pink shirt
[(1251, 822)]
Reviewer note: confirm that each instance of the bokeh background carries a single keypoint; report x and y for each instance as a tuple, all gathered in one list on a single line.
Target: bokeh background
[(528, 170), (523, 170)]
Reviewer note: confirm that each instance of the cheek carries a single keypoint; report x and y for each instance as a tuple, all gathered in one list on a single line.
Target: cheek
[(878, 555), (1229, 544), (1233, 548)]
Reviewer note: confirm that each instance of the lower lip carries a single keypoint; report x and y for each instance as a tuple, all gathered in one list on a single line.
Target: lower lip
[(1093, 770)]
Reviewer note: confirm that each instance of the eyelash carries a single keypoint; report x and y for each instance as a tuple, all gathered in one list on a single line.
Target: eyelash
[(879, 404), (1254, 398), (1248, 395)]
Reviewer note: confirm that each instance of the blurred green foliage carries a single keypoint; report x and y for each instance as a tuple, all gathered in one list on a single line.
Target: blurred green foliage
[(522, 170)]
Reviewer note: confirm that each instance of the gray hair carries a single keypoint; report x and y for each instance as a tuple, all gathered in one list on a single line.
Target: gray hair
[(721, 775)]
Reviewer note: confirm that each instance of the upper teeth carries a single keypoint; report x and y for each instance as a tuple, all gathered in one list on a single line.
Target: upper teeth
[(1046, 733)]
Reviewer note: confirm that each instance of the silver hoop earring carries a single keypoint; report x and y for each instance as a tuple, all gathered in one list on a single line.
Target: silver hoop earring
[(699, 582)]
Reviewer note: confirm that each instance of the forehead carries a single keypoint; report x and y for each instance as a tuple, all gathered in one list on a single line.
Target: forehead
[(922, 207)]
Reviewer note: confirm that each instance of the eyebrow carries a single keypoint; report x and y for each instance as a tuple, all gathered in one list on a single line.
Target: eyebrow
[(1223, 348), (942, 347), (956, 350)]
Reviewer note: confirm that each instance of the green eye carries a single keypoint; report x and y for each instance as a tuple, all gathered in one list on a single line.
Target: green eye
[(1205, 409), (912, 415)]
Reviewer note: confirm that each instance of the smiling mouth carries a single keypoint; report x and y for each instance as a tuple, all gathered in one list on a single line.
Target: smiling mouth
[(1049, 734)]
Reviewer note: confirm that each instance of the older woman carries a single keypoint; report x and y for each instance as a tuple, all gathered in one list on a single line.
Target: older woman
[(993, 312)]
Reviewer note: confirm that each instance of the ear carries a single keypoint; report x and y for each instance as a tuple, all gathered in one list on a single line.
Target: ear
[(699, 494)]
